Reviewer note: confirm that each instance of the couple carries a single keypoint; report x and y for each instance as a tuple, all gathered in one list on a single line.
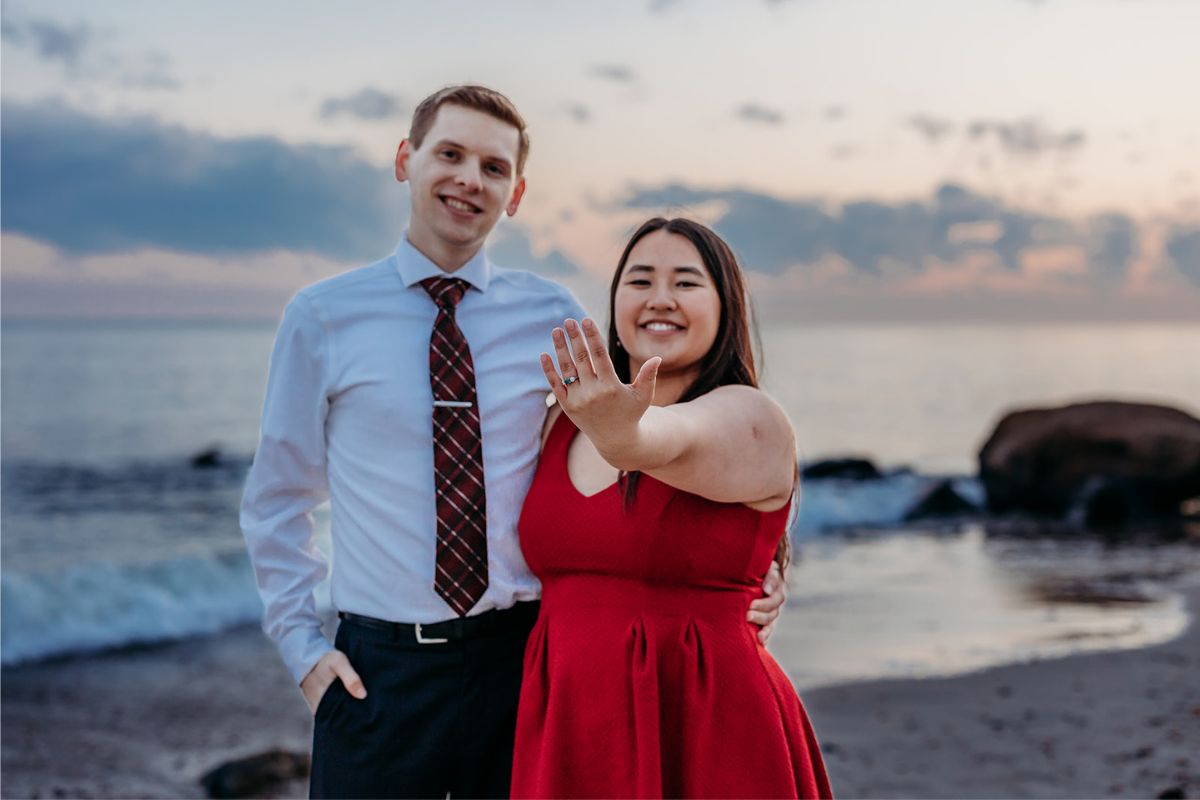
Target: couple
[(649, 503)]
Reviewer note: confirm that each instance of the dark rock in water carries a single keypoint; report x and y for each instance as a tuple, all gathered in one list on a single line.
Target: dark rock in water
[(939, 500), (1104, 463), (207, 458), (1173, 793), (1107, 502), (855, 469), (247, 777)]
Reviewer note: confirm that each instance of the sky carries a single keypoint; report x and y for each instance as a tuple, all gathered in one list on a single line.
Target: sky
[(868, 160)]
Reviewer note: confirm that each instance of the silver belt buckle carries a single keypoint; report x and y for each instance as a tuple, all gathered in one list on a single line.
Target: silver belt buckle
[(422, 640)]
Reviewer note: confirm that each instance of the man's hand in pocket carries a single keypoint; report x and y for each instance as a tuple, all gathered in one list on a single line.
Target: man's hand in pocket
[(333, 666)]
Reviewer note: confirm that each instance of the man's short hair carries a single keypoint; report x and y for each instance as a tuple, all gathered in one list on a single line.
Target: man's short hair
[(479, 98)]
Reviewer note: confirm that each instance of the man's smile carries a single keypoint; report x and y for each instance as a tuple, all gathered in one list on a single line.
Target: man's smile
[(459, 206)]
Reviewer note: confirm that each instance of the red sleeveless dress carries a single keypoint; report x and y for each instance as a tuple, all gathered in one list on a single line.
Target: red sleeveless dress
[(642, 676)]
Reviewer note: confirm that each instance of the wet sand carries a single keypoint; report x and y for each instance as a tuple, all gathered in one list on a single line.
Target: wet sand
[(1107, 724), (1113, 724)]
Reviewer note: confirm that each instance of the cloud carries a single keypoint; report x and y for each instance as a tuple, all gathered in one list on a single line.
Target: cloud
[(934, 129), (86, 55), (149, 71), (1183, 246), (833, 113), (579, 113), (1015, 238), (369, 104), (52, 41), (612, 72), (1112, 245), (754, 112), (40, 281), (510, 247), (796, 231), (90, 184), (1026, 137), (956, 204), (869, 232), (773, 234)]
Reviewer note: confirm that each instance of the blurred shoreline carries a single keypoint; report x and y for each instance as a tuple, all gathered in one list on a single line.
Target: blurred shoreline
[(1107, 724), (150, 721)]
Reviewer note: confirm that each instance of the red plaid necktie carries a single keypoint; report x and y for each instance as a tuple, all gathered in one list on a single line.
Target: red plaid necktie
[(461, 574)]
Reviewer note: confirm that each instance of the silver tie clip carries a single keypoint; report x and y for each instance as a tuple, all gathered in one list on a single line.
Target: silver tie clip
[(452, 404)]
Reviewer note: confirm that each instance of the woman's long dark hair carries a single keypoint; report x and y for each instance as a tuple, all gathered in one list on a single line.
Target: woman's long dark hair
[(730, 360)]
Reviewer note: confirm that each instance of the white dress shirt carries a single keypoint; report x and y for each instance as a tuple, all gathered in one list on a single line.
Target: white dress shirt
[(348, 417)]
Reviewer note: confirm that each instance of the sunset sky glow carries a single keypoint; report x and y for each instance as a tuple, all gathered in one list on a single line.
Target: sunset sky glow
[(868, 159)]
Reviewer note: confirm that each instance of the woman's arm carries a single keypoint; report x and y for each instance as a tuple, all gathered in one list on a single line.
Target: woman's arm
[(732, 445)]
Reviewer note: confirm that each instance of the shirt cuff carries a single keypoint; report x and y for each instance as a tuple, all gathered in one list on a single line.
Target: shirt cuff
[(301, 649)]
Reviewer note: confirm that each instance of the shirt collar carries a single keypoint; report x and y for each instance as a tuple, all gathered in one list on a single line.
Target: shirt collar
[(414, 267)]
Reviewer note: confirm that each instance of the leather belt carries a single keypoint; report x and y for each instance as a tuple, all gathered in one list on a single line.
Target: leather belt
[(502, 620)]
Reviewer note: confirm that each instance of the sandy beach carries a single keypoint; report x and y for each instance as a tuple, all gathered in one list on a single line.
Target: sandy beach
[(1110, 724), (149, 722)]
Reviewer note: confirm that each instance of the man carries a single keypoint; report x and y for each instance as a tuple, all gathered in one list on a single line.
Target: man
[(409, 393)]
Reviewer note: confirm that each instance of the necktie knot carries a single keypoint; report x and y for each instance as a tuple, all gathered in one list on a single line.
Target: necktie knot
[(446, 292)]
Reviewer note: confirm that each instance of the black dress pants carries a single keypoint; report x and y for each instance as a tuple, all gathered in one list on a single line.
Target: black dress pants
[(438, 719)]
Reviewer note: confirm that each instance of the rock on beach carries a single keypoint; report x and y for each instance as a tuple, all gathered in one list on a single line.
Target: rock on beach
[(1101, 463)]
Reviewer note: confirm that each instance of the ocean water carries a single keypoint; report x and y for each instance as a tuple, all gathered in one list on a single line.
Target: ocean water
[(110, 537), (929, 396)]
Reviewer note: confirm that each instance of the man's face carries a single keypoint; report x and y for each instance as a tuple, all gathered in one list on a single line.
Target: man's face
[(461, 177)]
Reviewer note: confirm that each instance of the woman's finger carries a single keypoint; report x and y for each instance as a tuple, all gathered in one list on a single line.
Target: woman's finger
[(552, 378), (774, 585), (759, 618), (583, 359), (599, 350), (565, 365)]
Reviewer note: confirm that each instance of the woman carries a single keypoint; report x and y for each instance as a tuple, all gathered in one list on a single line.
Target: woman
[(650, 533)]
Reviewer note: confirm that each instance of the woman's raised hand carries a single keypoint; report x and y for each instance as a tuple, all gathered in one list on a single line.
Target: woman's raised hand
[(588, 389)]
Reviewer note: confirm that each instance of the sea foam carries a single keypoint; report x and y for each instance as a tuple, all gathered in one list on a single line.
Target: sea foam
[(98, 605), (833, 503)]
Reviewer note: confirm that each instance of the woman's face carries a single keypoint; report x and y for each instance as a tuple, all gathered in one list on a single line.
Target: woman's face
[(666, 304)]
